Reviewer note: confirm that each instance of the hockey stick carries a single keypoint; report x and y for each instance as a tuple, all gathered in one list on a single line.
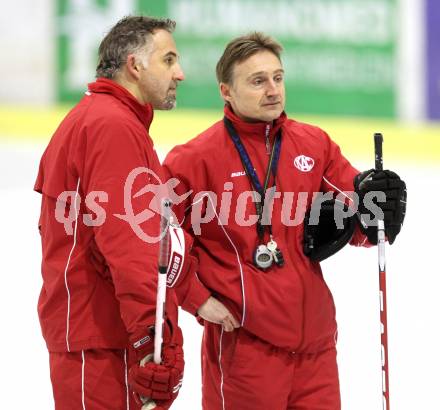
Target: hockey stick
[(378, 139), (164, 255)]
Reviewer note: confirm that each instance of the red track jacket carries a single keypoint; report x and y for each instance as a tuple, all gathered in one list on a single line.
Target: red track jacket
[(99, 282), (290, 307)]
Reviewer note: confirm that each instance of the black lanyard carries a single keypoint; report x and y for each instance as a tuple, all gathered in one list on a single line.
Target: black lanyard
[(252, 175)]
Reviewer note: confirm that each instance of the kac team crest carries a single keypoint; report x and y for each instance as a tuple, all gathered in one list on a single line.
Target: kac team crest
[(304, 163)]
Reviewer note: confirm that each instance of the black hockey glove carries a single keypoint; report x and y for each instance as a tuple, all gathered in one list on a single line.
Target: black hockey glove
[(393, 208), (330, 233)]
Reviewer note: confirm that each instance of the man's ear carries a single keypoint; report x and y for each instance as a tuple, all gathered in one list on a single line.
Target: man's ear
[(133, 66), (225, 92)]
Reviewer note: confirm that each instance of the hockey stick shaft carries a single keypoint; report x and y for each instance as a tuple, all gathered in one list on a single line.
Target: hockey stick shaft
[(378, 139), (162, 279), (164, 242)]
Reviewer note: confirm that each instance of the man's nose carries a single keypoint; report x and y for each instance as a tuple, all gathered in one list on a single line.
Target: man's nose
[(179, 74), (271, 88)]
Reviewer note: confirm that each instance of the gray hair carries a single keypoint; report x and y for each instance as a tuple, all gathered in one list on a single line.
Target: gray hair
[(128, 36)]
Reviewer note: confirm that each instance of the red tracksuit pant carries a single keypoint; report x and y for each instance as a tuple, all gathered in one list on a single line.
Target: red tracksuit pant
[(91, 380), (241, 372)]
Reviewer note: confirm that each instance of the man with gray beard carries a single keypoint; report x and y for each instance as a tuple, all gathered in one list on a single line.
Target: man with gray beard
[(98, 300)]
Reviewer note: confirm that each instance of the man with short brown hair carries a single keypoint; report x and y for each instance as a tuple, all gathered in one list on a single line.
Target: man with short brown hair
[(269, 319), (98, 300)]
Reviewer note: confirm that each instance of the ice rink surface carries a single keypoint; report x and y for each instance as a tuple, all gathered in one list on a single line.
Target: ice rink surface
[(413, 276)]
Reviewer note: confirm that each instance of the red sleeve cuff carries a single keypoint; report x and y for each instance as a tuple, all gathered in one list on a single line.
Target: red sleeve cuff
[(192, 296)]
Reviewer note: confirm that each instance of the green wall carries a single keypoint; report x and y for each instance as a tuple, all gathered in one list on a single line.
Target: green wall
[(339, 55)]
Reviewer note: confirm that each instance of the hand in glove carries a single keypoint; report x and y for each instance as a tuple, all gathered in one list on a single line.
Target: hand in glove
[(158, 382), (393, 208)]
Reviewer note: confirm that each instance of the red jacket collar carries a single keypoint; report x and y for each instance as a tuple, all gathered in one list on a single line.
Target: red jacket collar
[(256, 129), (106, 86)]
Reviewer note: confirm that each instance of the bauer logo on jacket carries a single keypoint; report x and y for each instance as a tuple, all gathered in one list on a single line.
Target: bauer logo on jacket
[(303, 163), (238, 174), (174, 269)]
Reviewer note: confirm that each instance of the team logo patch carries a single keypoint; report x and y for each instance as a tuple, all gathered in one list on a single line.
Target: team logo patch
[(304, 163)]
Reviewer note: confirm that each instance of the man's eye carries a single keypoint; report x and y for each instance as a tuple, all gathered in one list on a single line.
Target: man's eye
[(258, 81), (278, 78), (169, 60)]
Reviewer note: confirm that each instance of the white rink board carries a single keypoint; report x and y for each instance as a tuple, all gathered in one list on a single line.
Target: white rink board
[(413, 303)]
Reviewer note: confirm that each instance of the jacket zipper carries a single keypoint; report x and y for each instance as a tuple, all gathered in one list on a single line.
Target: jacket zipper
[(267, 139)]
